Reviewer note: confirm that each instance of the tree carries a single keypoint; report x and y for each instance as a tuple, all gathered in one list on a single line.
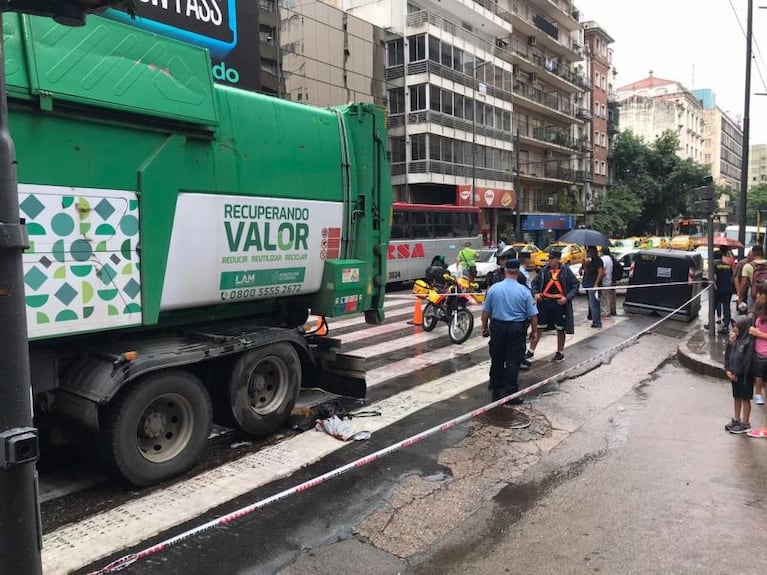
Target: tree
[(616, 210), (756, 200), (656, 177)]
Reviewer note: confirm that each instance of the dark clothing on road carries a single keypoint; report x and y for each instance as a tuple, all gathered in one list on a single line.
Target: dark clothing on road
[(723, 274), (569, 285), (507, 349), (509, 305)]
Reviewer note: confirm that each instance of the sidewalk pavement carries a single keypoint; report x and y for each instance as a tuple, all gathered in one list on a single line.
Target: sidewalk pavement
[(701, 354)]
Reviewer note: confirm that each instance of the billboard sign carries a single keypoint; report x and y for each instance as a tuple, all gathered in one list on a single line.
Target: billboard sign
[(211, 24)]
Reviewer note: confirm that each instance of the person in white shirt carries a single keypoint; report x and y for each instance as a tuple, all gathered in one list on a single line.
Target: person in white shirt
[(607, 297)]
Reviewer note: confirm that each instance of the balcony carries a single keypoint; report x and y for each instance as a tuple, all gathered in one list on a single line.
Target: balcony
[(551, 101), (583, 114), (550, 64), (427, 66), (551, 135), (533, 22), (423, 17), (612, 126), (429, 116), (450, 169)]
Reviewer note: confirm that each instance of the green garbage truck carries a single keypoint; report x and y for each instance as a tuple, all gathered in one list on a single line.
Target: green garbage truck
[(180, 234)]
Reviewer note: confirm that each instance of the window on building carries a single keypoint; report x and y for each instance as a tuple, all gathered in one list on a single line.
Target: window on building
[(266, 34), (458, 105), (507, 120), (418, 147), (417, 48), (394, 55), (267, 5), (434, 98), (446, 52), (596, 108), (447, 102), (595, 169), (434, 143), (603, 139), (397, 149), (434, 49), (603, 168), (457, 59), (468, 109), (596, 79), (417, 97), (397, 101)]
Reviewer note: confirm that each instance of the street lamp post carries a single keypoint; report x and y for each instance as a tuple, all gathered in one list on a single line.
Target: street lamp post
[(21, 538), (474, 128)]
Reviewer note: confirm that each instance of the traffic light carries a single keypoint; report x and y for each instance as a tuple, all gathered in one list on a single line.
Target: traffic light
[(705, 198)]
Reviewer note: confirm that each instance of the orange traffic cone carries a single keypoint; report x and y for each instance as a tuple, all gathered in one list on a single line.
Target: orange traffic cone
[(417, 314)]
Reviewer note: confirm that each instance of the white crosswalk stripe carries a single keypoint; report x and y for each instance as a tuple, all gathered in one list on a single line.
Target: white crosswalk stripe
[(80, 543)]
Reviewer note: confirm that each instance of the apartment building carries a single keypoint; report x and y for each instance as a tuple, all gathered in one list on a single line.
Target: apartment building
[(722, 150), (454, 68), (598, 135), (757, 165), (653, 105)]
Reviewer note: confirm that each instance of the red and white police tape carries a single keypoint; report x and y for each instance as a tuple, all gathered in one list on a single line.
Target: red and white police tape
[(127, 560)]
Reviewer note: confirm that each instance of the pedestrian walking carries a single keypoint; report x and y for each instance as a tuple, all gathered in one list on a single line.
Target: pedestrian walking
[(754, 272), (554, 289), (592, 279), (723, 275), (759, 332), (737, 366), (607, 296), (741, 283), (507, 308), (502, 255)]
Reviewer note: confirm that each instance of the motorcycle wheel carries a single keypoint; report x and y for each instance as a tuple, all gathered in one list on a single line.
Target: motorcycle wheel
[(430, 317), (460, 326)]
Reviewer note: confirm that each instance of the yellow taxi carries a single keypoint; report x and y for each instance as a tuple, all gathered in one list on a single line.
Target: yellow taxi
[(538, 257), (685, 243), (571, 253), (657, 242)]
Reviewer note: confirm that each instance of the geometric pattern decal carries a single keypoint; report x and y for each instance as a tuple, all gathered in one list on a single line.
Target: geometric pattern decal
[(82, 270)]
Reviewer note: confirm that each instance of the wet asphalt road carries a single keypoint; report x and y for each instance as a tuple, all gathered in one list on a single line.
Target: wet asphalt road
[(644, 485)]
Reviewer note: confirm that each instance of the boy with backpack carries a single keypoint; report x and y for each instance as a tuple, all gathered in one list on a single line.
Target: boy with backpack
[(737, 366)]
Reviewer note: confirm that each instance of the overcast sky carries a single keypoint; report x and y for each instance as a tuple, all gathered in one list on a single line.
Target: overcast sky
[(695, 42)]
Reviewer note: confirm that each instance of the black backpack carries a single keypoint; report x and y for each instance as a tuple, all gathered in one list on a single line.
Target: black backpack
[(617, 271), (742, 352)]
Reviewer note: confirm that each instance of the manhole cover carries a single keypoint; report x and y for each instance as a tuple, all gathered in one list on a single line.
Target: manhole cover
[(506, 417)]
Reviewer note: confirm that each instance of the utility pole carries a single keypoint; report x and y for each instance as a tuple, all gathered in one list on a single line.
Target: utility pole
[(517, 187), (21, 539), (742, 200)]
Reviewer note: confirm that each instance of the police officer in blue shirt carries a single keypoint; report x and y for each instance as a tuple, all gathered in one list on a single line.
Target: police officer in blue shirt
[(510, 306)]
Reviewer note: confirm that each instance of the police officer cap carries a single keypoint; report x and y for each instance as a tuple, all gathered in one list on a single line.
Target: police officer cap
[(524, 255), (555, 254), (512, 264)]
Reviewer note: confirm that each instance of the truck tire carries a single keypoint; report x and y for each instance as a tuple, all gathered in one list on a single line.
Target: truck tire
[(264, 387), (155, 429)]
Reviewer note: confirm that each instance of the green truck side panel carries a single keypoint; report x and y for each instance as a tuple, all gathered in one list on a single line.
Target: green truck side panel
[(114, 66), (261, 146)]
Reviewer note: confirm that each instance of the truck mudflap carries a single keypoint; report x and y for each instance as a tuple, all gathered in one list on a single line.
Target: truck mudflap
[(106, 368)]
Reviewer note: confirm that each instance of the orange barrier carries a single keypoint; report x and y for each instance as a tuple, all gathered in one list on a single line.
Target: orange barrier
[(417, 313)]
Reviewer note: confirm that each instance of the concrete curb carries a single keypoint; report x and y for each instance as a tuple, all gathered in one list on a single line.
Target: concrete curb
[(697, 362)]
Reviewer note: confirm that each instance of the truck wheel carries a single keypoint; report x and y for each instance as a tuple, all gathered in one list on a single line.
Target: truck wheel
[(156, 429), (264, 387)]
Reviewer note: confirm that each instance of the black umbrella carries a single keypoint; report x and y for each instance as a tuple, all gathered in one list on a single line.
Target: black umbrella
[(584, 237)]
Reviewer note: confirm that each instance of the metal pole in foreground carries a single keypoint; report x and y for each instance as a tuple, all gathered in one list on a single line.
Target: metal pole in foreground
[(742, 200), (20, 540), (517, 187), (711, 267)]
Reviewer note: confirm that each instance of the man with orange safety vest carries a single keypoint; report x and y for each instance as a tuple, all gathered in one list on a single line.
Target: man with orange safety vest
[(554, 289)]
